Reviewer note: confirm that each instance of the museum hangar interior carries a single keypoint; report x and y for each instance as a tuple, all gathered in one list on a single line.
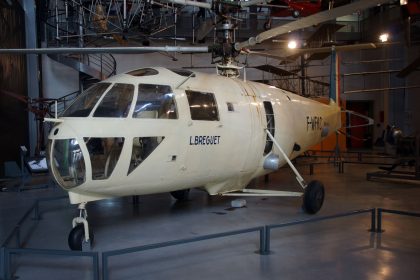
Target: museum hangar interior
[(310, 170)]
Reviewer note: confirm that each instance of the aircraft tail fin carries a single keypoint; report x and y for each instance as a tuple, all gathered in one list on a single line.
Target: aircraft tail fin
[(334, 78)]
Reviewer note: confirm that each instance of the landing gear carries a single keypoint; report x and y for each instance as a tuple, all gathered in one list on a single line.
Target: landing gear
[(80, 234), (313, 197), (267, 25), (181, 195)]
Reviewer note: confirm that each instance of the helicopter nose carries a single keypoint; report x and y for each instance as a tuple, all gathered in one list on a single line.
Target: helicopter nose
[(67, 163)]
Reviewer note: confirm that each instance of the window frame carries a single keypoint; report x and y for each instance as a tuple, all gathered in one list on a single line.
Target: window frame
[(108, 86), (126, 113), (216, 114), (173, 100)]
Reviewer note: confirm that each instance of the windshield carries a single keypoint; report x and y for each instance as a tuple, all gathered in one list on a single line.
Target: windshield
[(86, 101), (117, 102)]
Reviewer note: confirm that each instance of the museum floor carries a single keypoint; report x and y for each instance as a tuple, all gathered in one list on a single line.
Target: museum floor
[(333, 249)]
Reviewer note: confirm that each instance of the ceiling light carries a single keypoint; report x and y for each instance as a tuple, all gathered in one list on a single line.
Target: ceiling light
[(292, 44), (384, 37)]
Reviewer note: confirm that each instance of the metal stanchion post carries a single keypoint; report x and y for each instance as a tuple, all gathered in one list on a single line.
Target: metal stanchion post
[(267, 240), (2, 261), (263, 241), (96, 266), (105, 275), (36, 211), (373, 221), (6, 265), (17, 236), (379, 220)]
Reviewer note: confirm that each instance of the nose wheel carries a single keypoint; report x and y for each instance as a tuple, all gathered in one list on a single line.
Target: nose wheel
[(80, 235)]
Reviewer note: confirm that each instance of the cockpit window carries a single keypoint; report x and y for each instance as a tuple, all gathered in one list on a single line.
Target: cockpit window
[(68, 164), (86, 101), (142, 148), (117, 102), (104, 154), (183, 72), (203, 106), (143, 72), (155, 102)]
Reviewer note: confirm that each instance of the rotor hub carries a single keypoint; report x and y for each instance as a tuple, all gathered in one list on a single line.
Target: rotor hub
[(228, 70)]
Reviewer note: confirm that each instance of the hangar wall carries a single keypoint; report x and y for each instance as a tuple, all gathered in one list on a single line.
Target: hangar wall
[(412, 97), (58, 79), (13, 114)]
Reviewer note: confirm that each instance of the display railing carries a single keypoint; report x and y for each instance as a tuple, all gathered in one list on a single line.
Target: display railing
[(6, 252), (16, 231), (319, 219), (9, 252)]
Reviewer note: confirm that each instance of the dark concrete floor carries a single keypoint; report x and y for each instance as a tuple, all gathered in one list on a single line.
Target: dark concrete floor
[(334, 249)]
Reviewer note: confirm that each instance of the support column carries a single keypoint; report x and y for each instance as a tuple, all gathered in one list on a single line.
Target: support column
[(32, 67)]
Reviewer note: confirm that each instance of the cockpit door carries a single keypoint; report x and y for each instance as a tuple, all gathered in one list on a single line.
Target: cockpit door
[(255, 126)]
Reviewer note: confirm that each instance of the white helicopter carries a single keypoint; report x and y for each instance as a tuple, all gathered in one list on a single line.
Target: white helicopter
[(155, 130)]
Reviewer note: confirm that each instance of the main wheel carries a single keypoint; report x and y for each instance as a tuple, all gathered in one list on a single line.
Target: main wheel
[(313, 197), (267, 25), (77, 237), (181, 195)]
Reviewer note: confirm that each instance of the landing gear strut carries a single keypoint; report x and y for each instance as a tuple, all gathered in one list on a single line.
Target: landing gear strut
[(267, 24), (313, 196), (80, 234)]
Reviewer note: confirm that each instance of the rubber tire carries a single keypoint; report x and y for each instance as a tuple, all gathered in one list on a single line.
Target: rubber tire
[(313, 197), (181, 195), (77, 236), (296, 14)]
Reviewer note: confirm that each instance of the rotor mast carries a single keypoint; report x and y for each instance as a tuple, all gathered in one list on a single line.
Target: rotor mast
[(227, 51)]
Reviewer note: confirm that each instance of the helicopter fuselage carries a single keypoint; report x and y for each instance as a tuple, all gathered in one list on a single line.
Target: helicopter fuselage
[(157, 130)]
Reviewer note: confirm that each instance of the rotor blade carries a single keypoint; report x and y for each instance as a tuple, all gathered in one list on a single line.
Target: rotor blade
[(115, 50), (15, 95), (285, 53), (344, 48), (242, 4), (292, 54), (191, 3), (248, 3), (310, 20), (270, 54), (275, 70), (273, 6)]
